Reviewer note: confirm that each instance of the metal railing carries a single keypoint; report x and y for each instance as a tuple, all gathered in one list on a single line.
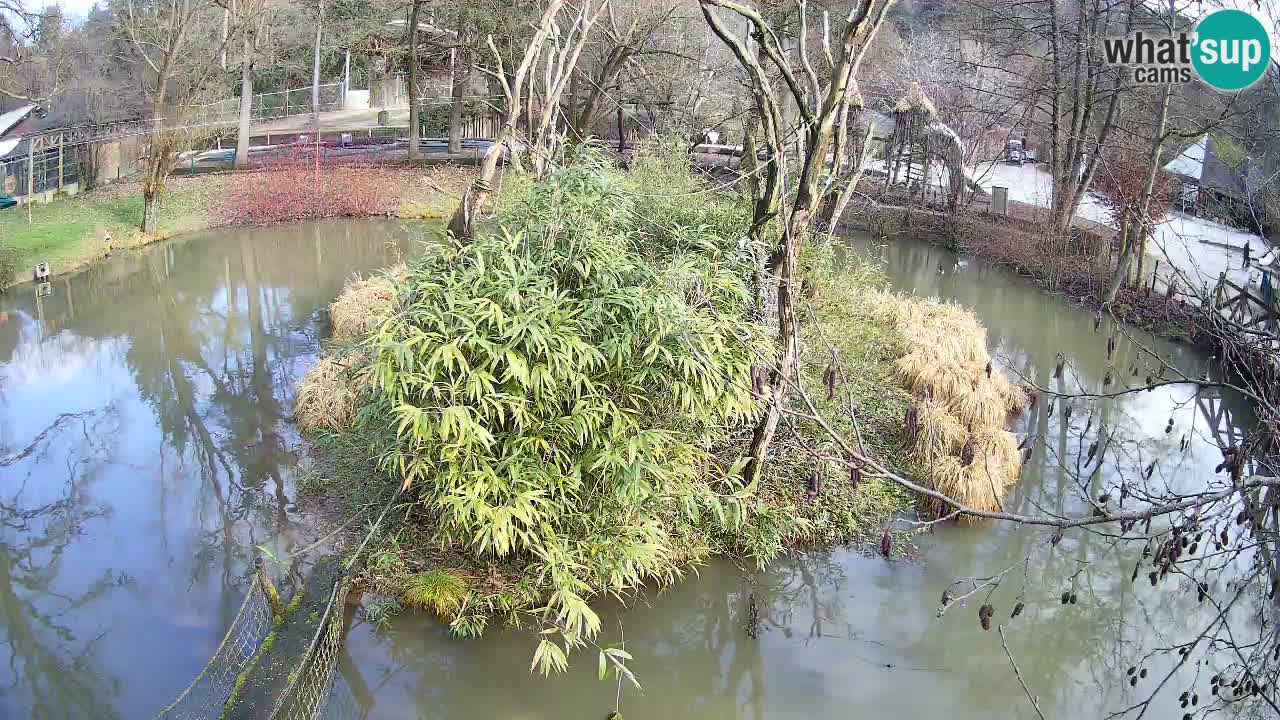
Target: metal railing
[(273, 105)]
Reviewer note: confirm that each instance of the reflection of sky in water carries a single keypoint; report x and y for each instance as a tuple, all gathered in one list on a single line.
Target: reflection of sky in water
[(125, 533)]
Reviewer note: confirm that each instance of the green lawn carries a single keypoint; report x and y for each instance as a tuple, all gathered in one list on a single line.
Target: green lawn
[(68, 233)]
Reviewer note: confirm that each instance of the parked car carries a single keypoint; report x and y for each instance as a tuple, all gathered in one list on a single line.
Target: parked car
[(7, 202), (1014, 153)]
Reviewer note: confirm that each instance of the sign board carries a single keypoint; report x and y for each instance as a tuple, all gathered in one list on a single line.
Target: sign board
[(999, 200)]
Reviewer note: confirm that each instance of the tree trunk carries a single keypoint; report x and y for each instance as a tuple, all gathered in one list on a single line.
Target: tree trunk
[(246, 102), (1122, 262), (315, 72), (157, 155), (458, 101), (226, 27), (150, 206), (415, 111), (571, 111), (593, 107), (1141, 223)]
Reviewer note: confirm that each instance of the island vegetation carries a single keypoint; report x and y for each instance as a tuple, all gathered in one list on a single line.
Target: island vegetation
[(567, 401)]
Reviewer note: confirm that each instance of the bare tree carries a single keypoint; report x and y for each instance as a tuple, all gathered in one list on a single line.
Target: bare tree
[(462, 224), (626, 32), (177, 70), (821, 103), (34, 64)]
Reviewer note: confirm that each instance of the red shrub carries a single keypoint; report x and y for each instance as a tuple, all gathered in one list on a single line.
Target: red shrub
[(289, 187)]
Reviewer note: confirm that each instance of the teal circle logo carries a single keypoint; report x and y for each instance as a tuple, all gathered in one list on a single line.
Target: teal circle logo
[(1232, 49)]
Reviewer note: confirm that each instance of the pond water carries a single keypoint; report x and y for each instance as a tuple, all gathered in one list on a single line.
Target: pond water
[(146, 448)]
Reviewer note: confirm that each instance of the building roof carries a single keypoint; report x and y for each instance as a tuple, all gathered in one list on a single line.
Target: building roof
[(1202, 162), (1219, 176), (1190, 162), (13, 117)]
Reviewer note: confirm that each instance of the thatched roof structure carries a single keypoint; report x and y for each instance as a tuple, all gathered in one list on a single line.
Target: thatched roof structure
[(916, 101)]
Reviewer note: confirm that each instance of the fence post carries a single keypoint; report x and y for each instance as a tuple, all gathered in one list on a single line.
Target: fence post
[(269, 587), (59, 167), (31, 175)]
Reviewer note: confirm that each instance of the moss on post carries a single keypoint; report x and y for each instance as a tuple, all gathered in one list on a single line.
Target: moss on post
[(269, 588)]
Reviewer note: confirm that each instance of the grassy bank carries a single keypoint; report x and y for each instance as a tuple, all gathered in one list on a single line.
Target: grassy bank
[(71, 233), (567, 401)]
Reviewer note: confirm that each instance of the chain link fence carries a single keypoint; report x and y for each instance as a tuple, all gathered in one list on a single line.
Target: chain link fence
[(272, 105), (205, 696)]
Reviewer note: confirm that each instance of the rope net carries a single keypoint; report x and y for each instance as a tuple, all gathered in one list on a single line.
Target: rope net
[(308, 692), (213, 685)]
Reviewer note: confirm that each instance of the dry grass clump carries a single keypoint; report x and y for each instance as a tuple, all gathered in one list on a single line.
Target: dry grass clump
[(328, 395), (364, 304), (962, 402), (938, 432)]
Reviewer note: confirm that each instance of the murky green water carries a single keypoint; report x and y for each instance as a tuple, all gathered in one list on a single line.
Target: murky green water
[(146, 447), (148, 403)]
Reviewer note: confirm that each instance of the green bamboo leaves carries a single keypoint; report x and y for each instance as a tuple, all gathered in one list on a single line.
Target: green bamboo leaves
[(554, 389)]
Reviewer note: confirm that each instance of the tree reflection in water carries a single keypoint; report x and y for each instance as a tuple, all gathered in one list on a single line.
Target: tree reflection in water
[(116, 591)]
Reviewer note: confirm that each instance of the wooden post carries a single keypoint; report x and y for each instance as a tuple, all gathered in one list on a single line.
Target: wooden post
[(60, 169), (31, 176), (622, 138), (269, 588)]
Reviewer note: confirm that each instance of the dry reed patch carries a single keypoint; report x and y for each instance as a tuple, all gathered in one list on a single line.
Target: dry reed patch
[(364, 303), (328, 395), (938, 433), (960, 401)]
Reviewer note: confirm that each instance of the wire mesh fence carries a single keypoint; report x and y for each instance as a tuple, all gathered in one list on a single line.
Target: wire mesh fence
[(307, 695), (272, 105), (207, 693)]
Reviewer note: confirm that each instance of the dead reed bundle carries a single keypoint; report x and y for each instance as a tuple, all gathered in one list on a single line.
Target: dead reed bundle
[(916, 101), (983, 482), (364, 304), (962, 402), (328, 394), (938, 432)]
